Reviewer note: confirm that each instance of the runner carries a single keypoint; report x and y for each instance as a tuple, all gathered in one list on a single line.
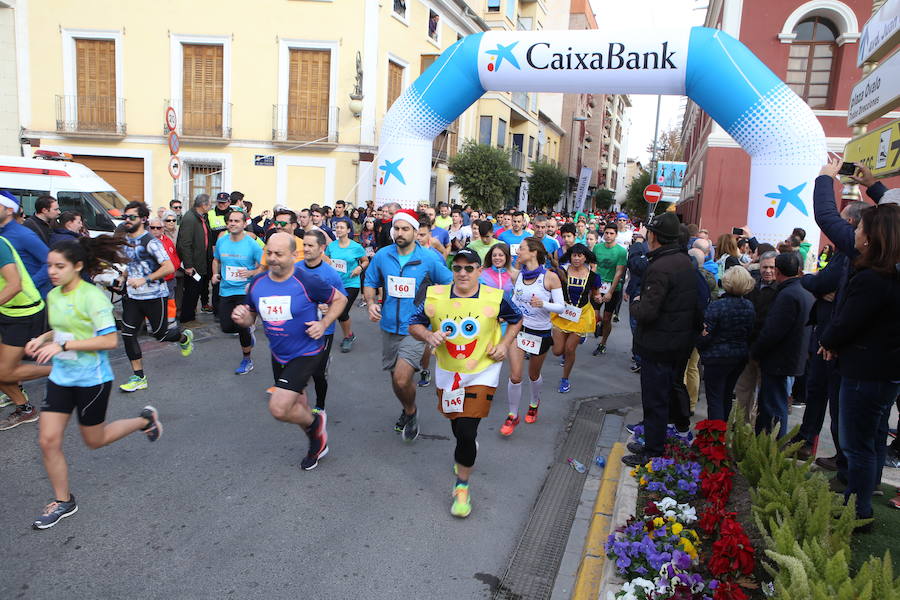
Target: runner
[(405, 270), (22, 317), (83, 331), (147, 294), (287, 299), (579, 285), (514, 236), (501, 274), (534, 289), (464, 320), (349, 259), (426, 240), (541, 224), (611, 260), (314, 243), (236, 260)]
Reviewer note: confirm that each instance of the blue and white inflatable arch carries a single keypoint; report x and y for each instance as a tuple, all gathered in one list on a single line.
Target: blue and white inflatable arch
[(771, 123)]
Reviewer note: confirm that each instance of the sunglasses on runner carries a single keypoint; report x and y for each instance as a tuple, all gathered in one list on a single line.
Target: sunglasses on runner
[(281, 223), (468, 268)]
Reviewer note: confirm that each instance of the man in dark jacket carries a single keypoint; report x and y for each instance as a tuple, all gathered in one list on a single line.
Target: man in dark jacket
[(46, 211), (781, 347), (192, 248), (668, 321), (637, 264)]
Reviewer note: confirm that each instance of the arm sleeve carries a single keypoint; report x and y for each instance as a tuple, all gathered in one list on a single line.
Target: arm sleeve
[(319, 290), (876, 191), (156, 248), (825, 281), (829, 218), (419, 317), (440, 273), (754, 243), (100, 310), (509, 312), (558, 301), (257, 253), (216, 254)]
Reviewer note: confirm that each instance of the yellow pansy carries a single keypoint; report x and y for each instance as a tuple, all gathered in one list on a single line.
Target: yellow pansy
[(676, 528), (658, 521), (643, 481)]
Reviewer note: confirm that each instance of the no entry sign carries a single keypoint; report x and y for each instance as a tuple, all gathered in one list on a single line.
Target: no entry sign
[(652, 193)]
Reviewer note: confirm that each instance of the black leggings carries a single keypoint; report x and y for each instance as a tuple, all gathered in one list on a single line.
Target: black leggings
[(352, 293), (320, 376), (133, 314), (465, 430), (226, 306)]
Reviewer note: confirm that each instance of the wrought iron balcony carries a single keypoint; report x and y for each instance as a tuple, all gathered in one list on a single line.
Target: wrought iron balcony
[(95, 115), (317, 124)]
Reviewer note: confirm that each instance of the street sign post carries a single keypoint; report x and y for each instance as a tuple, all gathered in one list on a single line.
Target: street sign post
[(171, 119), (878, 149), (876, 94), (652, 194)]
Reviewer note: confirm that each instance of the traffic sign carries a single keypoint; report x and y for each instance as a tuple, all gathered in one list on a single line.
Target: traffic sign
[(878, 149), (174, 142), (171, 119), (877, 93), (652, 193), (174, 167)]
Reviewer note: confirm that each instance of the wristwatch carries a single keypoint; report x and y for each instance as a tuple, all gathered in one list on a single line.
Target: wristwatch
[(63, 345)]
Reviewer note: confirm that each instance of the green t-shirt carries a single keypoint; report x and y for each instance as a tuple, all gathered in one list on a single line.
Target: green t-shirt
[(443, 222), (83, 313), (481, 248), (607, 261)]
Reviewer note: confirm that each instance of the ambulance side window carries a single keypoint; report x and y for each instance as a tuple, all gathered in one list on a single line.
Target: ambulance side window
[(27, 198), (81, 203)]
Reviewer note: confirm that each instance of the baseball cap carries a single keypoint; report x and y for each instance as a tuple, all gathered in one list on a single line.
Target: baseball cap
[(622, 215), (223, 197), (468, 255), (665, 225)]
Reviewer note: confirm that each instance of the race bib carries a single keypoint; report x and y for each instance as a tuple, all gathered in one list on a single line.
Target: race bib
[(528, 342), (514, 249), (275, 308), (61, 337), (453, 401), (401, 287), (231, 273), (339, 265), (604, 288), (571, 313)]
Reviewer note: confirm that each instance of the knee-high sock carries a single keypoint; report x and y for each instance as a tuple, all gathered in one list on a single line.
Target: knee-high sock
[(536, 390), (514, 395)]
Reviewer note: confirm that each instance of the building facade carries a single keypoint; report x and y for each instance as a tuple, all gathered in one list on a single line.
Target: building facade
[(811, 46), (283, 103)]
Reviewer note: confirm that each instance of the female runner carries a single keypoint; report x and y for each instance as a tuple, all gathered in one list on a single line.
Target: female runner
[(537, 293), (82, 331)]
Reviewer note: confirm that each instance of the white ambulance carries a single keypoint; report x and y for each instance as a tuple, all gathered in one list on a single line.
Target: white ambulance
[(74, 186)]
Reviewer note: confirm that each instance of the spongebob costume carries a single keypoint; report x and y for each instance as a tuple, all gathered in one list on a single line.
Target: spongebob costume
[(472, 329)]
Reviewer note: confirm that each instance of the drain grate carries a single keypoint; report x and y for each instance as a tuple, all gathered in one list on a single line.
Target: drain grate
[(536, 559)]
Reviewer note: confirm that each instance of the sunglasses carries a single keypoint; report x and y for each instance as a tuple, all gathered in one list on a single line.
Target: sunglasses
[(156, 227), (178, 207), (171, 220), (133, 217), (281, 223), (468, 268)]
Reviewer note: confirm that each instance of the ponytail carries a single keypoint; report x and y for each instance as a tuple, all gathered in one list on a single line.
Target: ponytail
[(95, 254)]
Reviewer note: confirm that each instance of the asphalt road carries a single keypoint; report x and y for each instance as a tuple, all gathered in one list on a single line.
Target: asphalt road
[(219, 507)]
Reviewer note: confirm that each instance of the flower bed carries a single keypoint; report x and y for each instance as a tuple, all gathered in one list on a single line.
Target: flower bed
[(660, 552)]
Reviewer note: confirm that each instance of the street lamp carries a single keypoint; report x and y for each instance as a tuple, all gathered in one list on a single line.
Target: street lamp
[(575, 119)]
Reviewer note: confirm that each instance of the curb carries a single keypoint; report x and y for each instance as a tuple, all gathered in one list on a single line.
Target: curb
[(593, 556)]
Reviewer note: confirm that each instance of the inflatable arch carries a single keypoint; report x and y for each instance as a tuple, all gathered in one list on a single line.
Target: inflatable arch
[(770, 122)]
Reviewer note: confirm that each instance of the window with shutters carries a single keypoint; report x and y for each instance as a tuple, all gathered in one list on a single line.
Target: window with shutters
[(395, 82), (811, 61), (95, 73), (202, 90), (445, 144), (204, 179), (309, 86)]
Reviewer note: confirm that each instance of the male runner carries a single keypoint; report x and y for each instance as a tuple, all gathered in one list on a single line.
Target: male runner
[(236, 260), (541, 224), (464, 321), (314, 243), (405, 270), (287, 299), (611, 260), (514, 236), (147, 294)]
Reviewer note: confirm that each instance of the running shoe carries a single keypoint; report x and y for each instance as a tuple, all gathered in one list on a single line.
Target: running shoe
[(207, 308), (635, 447), (245, 367), (134, 384), (582, 340), (828, 463), (462, 505), (188, 345), (615, 318), (55, 511), (630, 427), (318, 441), (564, 386), (635, 368), (531, 415), (424, 378), (600, 349), (598, 330), (18, 417), (411, 428), (509, 425), (6, 400), (401, 422), (636, 460), (347, 343), (270, 390), (154, 426)]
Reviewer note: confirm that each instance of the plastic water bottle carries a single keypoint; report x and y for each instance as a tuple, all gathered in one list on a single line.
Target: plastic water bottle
[(601, 462), (577, 465)]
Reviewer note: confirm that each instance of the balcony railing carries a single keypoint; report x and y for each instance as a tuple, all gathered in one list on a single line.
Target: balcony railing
[(204, 119), (90, 114), (517, 159), (292, 123)]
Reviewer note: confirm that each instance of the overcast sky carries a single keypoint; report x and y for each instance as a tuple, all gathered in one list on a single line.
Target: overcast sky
[(664, 14)]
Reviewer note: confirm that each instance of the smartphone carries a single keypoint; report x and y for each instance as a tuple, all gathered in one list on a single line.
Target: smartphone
[(847, 169), (196, 276), (737, 231)]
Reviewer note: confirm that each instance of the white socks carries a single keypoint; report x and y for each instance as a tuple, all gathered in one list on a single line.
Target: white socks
[(514, 395), (536, 390)]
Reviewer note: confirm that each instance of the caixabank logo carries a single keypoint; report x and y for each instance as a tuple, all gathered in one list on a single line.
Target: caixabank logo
[(613, 56), (502, 54)]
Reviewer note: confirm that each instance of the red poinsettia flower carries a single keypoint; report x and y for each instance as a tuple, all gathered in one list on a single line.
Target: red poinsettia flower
[(729, 590), (712, 424)]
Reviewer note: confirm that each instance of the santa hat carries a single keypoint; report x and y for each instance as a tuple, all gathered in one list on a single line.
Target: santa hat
[(408, 215), (8, 200)]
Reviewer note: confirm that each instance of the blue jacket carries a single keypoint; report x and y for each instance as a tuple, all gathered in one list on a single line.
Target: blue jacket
[(637, 264), (33, 252), (782, 346), (728, 322), (425, 266)]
